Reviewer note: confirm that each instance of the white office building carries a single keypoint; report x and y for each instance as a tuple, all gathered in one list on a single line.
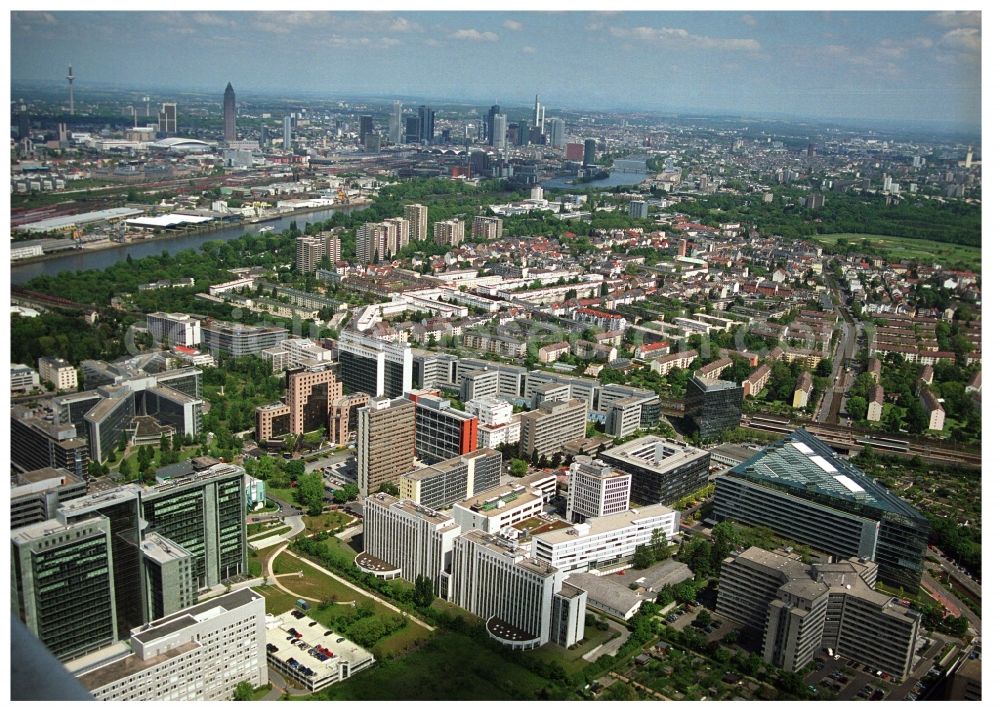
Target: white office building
[(604, 542), (23, 378), (490, 410), (174, 329), (596, 489), (523, 599), (199, 653), (409, 537), (57, 371), (495, 510)]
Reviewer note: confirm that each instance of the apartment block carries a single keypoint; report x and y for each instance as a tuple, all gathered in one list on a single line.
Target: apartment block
[(449, 233), (416, 215), (487, 228)]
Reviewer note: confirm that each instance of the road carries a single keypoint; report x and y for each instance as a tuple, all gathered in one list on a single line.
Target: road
[(975, 623), (847, 346), (611, 646), (956, 573), (297, 526)]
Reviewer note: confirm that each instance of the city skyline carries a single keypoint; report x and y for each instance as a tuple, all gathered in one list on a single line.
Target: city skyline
[(879, 66)]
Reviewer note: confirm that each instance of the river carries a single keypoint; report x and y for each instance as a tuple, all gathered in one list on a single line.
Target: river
[(84, 259), (617, 179)]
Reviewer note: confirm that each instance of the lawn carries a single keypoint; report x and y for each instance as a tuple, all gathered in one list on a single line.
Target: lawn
[(264, 526), (572, 659), (276, 601), (450, 666), (902, 248), (276, 530), (285, 495), (339, 547), (333, 520)]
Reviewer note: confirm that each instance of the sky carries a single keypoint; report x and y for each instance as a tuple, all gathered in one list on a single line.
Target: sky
[(885, 66)]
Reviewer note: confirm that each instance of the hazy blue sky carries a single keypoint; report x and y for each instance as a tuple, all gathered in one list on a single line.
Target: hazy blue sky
[(886, 65)]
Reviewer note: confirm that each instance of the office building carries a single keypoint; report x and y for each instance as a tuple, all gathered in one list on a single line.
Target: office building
[(432, 370), (311, 391), (412, 134), (802, 490), (798, 609), (57, 371), (287, 134), (624, 416), (510, 379), (440, 485), (607, 541), (199, 653), (479, 385), (490, 410), (590, 151), (168, 118), (344, 417), (450, 232), (713, 406), (229, 114), (378, 368), (366, 127), (488, 124), (442, 432), (488, 228), (61, 584), (522, 598), (396, 123), (662, 471), (425, 115), (168, 571), (386, 442), (36, 495), (174, 329), (546, 429), (297, 353), (231, 339), (498, 133), (596, 489), (637, 209), (416, 215), (36, 443), (557, 133), (493, 511), (410, 537), (23, 378)]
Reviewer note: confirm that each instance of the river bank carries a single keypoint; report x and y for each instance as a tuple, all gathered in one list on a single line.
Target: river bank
[(109, 253)]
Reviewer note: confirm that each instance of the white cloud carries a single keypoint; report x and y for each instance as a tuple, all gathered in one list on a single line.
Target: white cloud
[(957, 19), (963, 39), (682, 38), (749, 20), (401, 24), (529, 50), (207, 18), (513, 25), (472, 34)]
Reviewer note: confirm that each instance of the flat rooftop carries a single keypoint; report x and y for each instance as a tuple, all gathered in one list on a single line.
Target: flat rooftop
[(653, 453), (131, 665), (606, 523), (409, 507), (500, 499), (437, 469), (511, 551), (344, 651)]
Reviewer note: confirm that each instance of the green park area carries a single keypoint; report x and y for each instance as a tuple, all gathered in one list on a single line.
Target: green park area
[(896, 249)]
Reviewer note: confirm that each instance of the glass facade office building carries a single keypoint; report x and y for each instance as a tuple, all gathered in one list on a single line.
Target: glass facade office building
[(714, 406), (802, 490)]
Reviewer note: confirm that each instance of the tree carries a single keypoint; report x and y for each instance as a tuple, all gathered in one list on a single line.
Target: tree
[(857, 408), (619, 691), (703, 619), (643, 557), (724, 541), (424, 594), (917, 419), (390, 488), (518, 468), (310, 492), (685, 592), (243, 692)]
